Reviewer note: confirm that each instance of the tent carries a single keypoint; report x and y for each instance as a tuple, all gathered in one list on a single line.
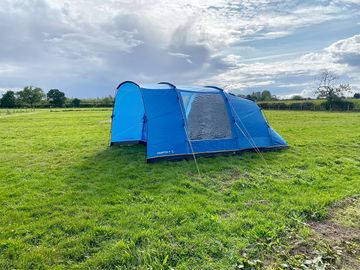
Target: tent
[(184, 122)]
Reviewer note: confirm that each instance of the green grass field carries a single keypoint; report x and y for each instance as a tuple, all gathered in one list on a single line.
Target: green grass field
[(70, 202)]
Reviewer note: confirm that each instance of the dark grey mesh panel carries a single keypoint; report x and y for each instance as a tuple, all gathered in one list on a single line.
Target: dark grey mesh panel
[(207, 117)]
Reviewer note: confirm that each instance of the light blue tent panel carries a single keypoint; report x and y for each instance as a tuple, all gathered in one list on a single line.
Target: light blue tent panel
[(128, 114)]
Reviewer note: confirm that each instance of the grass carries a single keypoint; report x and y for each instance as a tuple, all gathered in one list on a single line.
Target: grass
[(7, 112), (70, 202), (336, 240), (349, 216), (10, 111)]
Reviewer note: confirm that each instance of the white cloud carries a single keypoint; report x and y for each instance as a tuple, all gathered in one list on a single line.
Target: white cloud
[(350, 45), (307, 92), (8, 69), (295, 85), (90, 45), (308, 66), (5, 89), (346, 51)]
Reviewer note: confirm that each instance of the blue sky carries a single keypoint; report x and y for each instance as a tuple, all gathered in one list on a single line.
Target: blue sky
[(86, 47)]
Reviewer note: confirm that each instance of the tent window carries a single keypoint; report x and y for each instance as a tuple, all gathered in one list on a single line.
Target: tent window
[(207, 116)]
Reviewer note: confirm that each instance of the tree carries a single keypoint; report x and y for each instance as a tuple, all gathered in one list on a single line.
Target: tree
[(75, 102), (30, 96), (266, 95), (334, 94), (328, 89), (56, 98), (261, 96), (297, 97), (255, 96), (8, 100), (108, 101), (357, 95)]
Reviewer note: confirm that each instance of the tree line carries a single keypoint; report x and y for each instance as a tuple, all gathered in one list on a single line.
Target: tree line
[(309, 105), (331, 94), (261, 96), (35, 97)]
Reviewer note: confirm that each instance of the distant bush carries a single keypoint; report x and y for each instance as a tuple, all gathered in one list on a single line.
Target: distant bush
[(273, 105), (56, 98), (338, 105), (297, 97), (281, 106), (261, 96), (75, 103), (8, 100), (309, 106), (295, 106)]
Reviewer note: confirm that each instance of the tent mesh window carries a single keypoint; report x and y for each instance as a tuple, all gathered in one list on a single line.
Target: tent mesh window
[(207, 116)]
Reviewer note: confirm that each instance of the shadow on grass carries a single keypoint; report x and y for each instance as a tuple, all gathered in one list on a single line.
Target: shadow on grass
[(124, 169)]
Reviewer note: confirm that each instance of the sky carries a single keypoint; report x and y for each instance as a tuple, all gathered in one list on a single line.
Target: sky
[(87, 47)]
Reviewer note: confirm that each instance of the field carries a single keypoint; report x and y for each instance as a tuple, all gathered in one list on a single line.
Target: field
[(70, 202)]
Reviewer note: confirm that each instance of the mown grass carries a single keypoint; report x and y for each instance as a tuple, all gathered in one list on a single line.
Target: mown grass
[(7, 112), (68, 201), (14, 111)]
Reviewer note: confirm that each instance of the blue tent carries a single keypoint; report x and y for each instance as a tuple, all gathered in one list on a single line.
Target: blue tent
[(181, 122)]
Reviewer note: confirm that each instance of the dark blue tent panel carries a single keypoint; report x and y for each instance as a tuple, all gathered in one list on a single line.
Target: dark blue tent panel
[(179, 122)]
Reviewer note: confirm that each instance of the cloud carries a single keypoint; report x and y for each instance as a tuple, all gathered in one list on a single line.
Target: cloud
[(296, 74), (346, 51), (8, 69), (86, 47), (72, 43)]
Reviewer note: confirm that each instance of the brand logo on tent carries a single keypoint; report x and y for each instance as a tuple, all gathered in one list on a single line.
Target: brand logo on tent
[(165, 152)]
